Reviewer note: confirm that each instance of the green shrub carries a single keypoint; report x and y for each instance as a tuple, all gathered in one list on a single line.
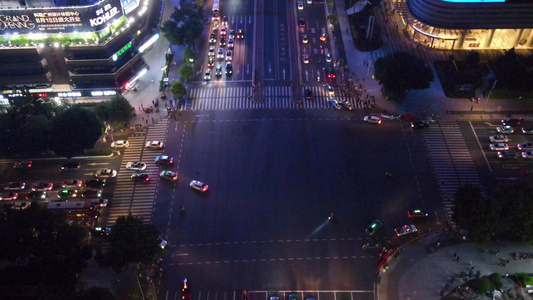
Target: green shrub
[(521, 278), (496, 280), (478, 274), (98, 152), (483, 285)]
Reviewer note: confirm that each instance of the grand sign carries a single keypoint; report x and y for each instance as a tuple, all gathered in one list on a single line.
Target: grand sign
[(60, 19)]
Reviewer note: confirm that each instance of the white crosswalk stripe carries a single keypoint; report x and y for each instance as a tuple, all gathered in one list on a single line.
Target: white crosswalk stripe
[(275, 97), (451, 160), (137, 198)]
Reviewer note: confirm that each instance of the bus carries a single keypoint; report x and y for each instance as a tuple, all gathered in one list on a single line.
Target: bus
[(75, 210)]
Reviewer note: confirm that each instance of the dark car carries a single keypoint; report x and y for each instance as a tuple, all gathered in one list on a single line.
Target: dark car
[(507, 154), (91, 194), (309, 94), (240, 34), (185, 290), (419, 124), (140, 177), (36, 195), (212, 38), (103, 231), (347, 105), (164, 160), (229, 69), (417, 213), (23, 165), (373, 228), (95, 183), (330, 73), (527, 130), (222, 41), (301, 22), (513, 122), (67, 193), (71, 165)]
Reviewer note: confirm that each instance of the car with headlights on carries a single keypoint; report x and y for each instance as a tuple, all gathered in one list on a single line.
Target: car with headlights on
[(67, 194), (207, 75), (169, 175), (525, 147), (42, 186), (405, 229), (498, 139), (347, 104), (416, 213), (36, 195), (372, 119), (374, 228), (505, 129), (334, 103), (528, 154), (154, 145), (136, 166), (527, 130), (507, 154), (105, 173), (9, 196), (140, 177), (15, 186), (120, 144), (499, 146), (198, 185), (420, 124), (72, 184)]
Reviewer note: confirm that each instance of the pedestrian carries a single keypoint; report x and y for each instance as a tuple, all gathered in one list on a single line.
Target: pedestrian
[(458, 258), (454, 255), (153, 102), (142, 107), (146, 121), (471, 108), (153, 121), (470, 263), (472, 267), (143, 119)]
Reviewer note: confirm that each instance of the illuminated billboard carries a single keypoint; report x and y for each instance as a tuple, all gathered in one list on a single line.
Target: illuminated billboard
[(60, 19), (129, 5)]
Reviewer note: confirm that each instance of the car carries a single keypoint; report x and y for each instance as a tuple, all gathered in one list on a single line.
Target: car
[(164, 160), (329, 89), (240, 33), (293, 296), (498, 139), (162, 243), (105, 173), (120, 144), (211, 52), (420, 124), (140, 177), (101, 202), (102, 231), (91, 193), (405, 229), (225, 21), (136, 166), (524, 147), (331, 74), (323, 37), (301, 23), (499, 146), (169, 175), (505, 129), (210, 62), (36, 195), (154, 145), (372, 119), (229, 69), (374, 227), (305, 58), (507, 154), (305, 39), (220, 53), (15, 186), (231, 34), (71, 165), (334, 103), (347, 104), (527, 130), (72, 184), (218, 70), (213, 38), (274, 298), (207, 75), (231, 43), (229, 55), (42, 186), (416, 213), (329, 57), (300, 5), (528, 154), (198, 185), (222, 41), (223, 30), (216, 25), (9, 196), (512, 122), (22, 165), (309, 94), (185, 290), (67, 193), (309, 1), (95, 183)]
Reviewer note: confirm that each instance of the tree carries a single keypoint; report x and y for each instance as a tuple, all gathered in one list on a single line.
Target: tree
[(185, 24), (75, 130), (95, 293), (516, 208), (132, 241), (35, 134), (400, 73), (333, 19), (43, 249), (117, 110), (178, 89), (186, 72), (188, 55)]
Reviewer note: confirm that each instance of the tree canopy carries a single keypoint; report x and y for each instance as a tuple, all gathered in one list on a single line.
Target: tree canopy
[(400, 73), (513, 71), (75, 130), (186, 71), (116, 110), (178, 89), (185, 24)]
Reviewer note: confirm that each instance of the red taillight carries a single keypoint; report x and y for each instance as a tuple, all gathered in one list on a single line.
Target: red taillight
[(147, 178)]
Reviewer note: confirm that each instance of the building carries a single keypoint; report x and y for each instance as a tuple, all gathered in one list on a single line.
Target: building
[(469, 24), (60, 50)]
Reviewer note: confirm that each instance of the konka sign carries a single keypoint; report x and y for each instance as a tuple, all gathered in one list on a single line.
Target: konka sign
[(65, 19)]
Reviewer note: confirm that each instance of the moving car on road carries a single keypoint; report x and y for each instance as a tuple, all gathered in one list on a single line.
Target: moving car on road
[(154, 145), (405, 229), (207, 75), (42, 186), (524, 147), (136, 166), (499, 146), (72, 184), (507, 154), (240, 34), (374, 227), (300, 5), (140, 177), (420, 124), (527, 130), (15, 186), (416, 213), (198, 185), (67, 193), (164, 160), (334, 103), (23, 164), (498, 139), (185, 290), (305, 58), (105, 173), (9, 196), (329, 89), (71, 165), (347, 105), (512, 122), (36, 195), (120, 144), (528, 154), (169, 175), (372, 119), (505, 129)]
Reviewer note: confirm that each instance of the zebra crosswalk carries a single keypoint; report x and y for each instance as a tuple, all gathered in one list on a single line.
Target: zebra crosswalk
[(275, 97), (137, 198), (451, 161)]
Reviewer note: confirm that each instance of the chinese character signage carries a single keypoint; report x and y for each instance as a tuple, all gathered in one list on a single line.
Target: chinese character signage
[(129, 5), (61, 19)]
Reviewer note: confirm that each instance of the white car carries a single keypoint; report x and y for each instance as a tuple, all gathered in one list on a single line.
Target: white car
[(162, 243), (499, 146), (120, 144), (136, 166), (15, 186), (154, 145), (220, 53), (231, 43), (105, 173), (525, 147), (305, 58), (405, 229), (505, 129), (300, 5), (229, 55), (195, 184), (211, 51), (169, 175), (207, 75), (498, 139), (223, 30), (72, 184), (372, 119), (42, 186), (309, 1), (528, 154)]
